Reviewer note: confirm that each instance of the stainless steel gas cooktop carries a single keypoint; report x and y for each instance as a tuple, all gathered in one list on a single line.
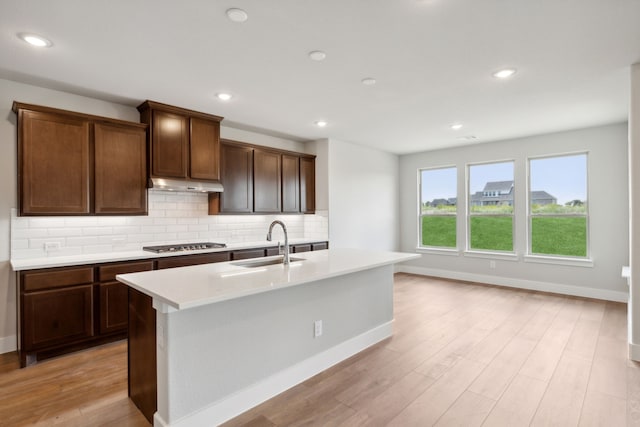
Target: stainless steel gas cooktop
[(183, 247)]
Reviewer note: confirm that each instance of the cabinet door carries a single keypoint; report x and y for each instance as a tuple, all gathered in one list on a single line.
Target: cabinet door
[(290, 183), (204, 149), (237, 178), (120, 170), (169, 145), (113, 307), (186, 260), (57, 316), (247, 254), (307, 185), (53, 153), (267, 186)]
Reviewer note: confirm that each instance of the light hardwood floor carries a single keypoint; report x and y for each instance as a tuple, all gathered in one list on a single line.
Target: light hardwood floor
[(462, 354)]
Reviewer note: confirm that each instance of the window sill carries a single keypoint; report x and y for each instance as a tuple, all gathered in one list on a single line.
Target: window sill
[(492, 255), (574, 262), (438, 251)]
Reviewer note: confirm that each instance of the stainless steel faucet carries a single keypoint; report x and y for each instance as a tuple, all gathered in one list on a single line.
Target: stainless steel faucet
[(286, 239)]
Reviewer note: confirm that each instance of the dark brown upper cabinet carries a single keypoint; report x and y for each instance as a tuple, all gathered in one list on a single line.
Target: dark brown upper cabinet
[(237, 178), (290, 183), (77, 164), (263, 180), (183, 144), (267, 181), (120, 169), (307, 184)]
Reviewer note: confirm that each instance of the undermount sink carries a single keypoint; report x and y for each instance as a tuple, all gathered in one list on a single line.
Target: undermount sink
[(261, 262)]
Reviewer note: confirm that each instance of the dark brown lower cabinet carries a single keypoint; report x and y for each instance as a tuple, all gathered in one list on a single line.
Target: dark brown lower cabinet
[(247, 254), (113, 307), (58, 316)]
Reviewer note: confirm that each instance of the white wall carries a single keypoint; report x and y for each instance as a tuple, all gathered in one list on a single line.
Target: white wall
[(363, 197), (634, 225), (608, 208), (233, 229)]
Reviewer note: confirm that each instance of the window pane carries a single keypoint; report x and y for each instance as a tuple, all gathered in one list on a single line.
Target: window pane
[(494, 233), (491, 188), (558, 205), (439, 230), (438, 207), (558, 185), (559, 235), (491, 198)]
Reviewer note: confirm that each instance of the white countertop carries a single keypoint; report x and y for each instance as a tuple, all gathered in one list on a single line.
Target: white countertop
[(65, 261), (188, 287)]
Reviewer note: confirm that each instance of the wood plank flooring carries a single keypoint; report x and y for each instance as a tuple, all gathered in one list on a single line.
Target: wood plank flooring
[(462, 354)]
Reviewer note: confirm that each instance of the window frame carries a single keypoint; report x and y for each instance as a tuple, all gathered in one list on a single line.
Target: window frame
[(489, 252), (558, 258), (439, 249)]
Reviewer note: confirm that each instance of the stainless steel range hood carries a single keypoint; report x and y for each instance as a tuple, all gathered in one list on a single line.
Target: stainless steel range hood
[(186, 185)]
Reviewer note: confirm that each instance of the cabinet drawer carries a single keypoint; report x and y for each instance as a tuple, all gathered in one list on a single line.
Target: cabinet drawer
[(272, 251), (57, 316), (300, 248), (47, 279), (108, 272), (184, 261), (250, 253), (319, 246)]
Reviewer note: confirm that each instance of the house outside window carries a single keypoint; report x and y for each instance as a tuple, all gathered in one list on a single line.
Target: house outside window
[(558, 206), (438, 207), (490, 207)]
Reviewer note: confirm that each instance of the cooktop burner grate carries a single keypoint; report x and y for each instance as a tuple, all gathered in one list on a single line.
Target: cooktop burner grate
[(183, 247)]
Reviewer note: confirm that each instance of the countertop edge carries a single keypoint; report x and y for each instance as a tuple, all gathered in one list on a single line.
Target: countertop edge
[(107, 257), (398, 257)]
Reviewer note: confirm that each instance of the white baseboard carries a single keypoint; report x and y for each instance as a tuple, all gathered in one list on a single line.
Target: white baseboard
[(533, 285), (252, 396), (634, 351), (8, 344)]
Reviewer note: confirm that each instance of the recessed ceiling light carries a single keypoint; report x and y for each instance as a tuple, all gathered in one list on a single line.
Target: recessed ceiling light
[(317, 55), (456, 126), (368, 81), (321, 123), (505, 73), (224, 96), (35, 40), (237, 15)]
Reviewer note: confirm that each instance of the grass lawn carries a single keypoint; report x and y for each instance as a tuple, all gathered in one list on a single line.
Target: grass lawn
[(439, 231), (559, 236), (492, 233), (550, 235)]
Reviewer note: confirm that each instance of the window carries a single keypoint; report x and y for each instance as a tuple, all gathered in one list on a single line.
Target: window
[(558, 214), (438, 204), (490, 207)]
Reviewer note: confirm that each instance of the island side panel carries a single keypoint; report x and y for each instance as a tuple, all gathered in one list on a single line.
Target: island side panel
[(142, 353), (212, 352)]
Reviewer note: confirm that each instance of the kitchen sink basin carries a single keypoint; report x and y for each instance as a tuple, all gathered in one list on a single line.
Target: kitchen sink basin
[(261, 262)]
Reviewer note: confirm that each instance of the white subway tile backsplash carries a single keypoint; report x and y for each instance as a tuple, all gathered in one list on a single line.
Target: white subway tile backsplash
[(173, 218)]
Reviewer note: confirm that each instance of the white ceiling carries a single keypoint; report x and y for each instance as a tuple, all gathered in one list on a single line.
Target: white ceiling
[(432, 60)]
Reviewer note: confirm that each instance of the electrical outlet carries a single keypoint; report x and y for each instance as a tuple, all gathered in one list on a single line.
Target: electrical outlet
[(492, 264), (317, 328), (51, 246)]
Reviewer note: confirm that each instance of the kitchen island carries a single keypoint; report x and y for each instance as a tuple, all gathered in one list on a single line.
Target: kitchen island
[(231, 335)]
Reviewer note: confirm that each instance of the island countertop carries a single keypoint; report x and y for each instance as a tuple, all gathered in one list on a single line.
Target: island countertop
[(188, 287)]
